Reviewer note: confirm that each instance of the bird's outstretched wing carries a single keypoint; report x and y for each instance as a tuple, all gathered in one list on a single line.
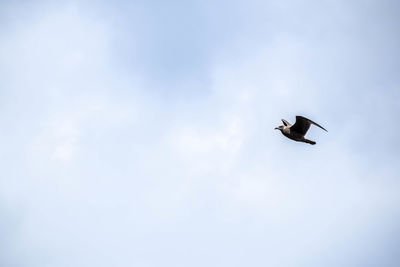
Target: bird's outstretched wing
[(303, 124)]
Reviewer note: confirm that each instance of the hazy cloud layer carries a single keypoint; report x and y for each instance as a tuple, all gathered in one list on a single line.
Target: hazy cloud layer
[(141, 134)]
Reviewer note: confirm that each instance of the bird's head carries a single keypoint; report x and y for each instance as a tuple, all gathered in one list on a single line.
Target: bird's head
[(279, 128)]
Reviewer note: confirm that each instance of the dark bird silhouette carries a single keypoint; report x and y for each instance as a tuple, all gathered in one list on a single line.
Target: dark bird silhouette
[(298, 130)]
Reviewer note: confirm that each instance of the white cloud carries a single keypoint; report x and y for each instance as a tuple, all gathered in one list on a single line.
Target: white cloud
[(63, 140), (113, 171), (209, 149)]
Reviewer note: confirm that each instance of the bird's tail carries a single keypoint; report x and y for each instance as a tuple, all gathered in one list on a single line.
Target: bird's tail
[(309, 142)]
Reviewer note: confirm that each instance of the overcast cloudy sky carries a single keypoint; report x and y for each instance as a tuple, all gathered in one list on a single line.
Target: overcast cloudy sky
[(141, 133)]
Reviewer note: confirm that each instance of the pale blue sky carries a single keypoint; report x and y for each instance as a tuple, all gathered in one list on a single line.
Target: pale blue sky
[(140, 133)]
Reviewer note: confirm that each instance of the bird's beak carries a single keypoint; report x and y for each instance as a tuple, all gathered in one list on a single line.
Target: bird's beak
[(276, 128)]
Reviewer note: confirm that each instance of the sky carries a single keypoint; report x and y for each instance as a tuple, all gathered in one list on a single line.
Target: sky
[(141, 133)]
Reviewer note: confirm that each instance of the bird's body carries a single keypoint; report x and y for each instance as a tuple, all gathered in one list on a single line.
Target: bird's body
[(298, 130)]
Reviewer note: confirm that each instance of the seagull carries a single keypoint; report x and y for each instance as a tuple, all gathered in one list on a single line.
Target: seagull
[(298, 130)]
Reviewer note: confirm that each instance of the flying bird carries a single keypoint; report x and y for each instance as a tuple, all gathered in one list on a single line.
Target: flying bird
[(298, 130)]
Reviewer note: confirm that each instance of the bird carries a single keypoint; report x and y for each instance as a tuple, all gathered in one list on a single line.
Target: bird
[(298, 130)]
